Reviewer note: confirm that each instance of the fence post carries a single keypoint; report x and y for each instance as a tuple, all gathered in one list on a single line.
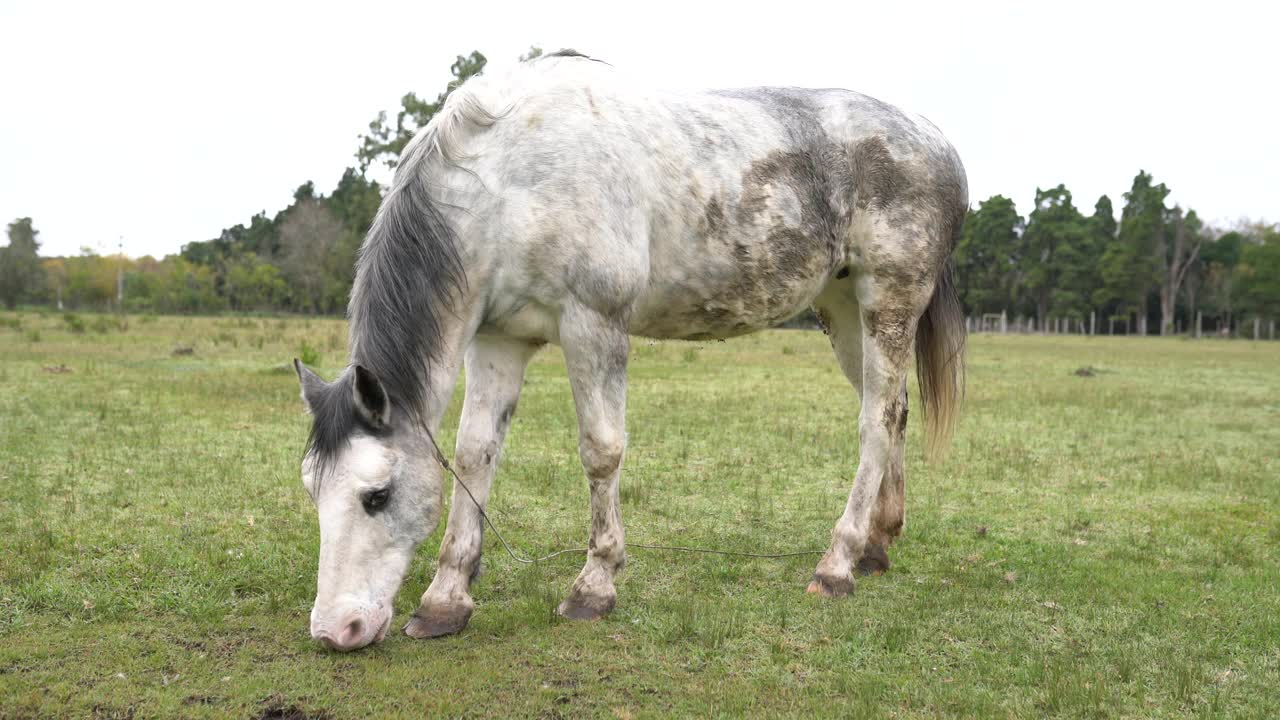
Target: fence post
[(1093, 320), (1004, 321), (1271, 329), (1199, 322), (1257, 322)]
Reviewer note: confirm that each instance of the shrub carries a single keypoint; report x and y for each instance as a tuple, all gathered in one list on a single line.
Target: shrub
[(308, 355), (104, 324), (73, 322)]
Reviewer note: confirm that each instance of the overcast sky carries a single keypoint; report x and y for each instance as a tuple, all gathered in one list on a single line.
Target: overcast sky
[(164, 123)]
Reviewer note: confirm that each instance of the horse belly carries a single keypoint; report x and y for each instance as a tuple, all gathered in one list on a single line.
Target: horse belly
[(732, 284)]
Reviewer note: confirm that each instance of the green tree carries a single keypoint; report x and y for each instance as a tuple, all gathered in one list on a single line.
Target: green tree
[(21, 277), (987, 256), (91, 282), (1081, 275), (309, 235), (1260, 274), (1221, 258), (1055, 233), (55, 273), (1129, 268), (252, 284), (354, 202), (384, 142), (185, 287)]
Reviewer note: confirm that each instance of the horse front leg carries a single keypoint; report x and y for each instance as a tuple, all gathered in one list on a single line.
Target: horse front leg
[(495, 372), (595, 350)]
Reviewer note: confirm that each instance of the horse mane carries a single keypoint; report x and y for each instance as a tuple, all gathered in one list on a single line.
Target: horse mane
[(408, 271)]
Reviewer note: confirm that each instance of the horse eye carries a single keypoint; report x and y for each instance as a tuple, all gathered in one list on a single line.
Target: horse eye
[(375, 500)]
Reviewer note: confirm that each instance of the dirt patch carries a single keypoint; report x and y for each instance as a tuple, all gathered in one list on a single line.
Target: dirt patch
[(282, 711)]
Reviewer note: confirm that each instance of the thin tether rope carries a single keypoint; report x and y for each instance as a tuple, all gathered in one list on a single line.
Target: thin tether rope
[(444, 462)]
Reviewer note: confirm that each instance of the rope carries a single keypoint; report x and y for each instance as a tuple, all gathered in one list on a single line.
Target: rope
[(444, 462)]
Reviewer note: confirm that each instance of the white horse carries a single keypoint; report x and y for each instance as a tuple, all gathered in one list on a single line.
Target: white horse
[(560, 203)]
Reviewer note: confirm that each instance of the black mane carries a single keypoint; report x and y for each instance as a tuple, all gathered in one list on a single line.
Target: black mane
[(407, 273)]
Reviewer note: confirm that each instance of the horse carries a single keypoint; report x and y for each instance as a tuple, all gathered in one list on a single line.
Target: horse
[(562, 202)]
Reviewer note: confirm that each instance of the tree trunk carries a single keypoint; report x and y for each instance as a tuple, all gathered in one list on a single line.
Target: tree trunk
[(1166, 311), (1192, 312), (1175, 270)]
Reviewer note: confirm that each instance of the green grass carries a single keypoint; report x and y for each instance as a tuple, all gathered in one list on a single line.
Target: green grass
[(1102, 546)]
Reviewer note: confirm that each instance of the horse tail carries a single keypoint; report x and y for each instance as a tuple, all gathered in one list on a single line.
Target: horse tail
[(940, 345)]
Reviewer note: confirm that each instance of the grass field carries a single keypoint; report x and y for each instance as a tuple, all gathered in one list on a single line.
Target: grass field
[(1101, 546)]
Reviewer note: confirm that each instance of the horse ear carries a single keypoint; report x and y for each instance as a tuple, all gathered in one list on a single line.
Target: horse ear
[(312, 384), (371, 398)]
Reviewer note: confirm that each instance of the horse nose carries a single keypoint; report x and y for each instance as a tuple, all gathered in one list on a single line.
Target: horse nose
[(350, 636)]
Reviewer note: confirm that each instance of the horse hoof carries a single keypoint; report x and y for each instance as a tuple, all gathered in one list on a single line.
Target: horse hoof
[(577, 607), (875, 561), (438, 621), (829, 587)]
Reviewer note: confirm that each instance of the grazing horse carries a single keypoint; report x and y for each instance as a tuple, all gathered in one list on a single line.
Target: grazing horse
[(562, 203)]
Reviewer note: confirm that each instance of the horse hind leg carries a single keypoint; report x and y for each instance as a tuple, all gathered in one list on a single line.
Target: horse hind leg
[(890, 513), (890, 300), (841, 318)]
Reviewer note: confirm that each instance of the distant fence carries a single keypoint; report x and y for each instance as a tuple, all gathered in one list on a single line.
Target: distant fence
[(1254, 329)]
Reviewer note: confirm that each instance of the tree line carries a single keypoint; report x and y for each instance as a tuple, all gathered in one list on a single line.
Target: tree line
[(1154, 266), (1157, 266), (299, 260)]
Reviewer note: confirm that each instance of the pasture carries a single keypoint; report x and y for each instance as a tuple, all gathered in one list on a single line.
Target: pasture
[(1096, 545)]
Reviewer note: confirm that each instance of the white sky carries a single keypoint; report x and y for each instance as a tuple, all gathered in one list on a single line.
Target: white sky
[(164, 123)]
